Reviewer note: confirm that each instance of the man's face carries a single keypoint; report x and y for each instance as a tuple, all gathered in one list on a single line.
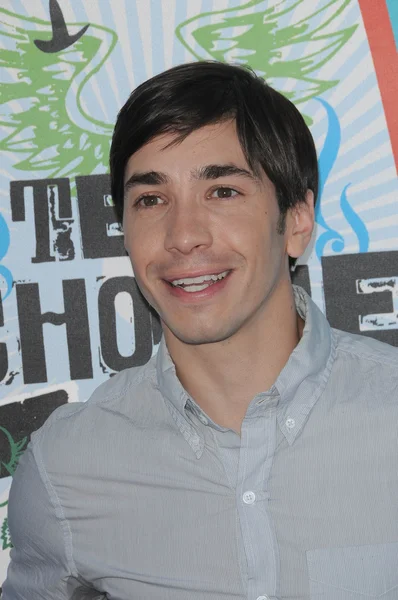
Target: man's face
[(202, 234)]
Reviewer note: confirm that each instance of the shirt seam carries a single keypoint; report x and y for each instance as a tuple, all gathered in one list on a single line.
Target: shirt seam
[(55, 502), (370, 357)]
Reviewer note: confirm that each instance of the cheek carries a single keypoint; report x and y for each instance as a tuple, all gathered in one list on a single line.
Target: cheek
[(248, 235)]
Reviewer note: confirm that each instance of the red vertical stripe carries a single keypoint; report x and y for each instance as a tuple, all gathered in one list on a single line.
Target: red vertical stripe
[(385, 58)]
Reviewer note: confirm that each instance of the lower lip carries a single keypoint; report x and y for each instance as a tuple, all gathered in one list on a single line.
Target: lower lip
[(209, 292)]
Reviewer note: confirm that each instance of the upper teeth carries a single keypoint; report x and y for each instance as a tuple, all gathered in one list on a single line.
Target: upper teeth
[(199, 280)]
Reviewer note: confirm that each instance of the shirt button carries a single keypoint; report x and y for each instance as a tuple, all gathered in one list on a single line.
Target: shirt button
[(290, 423), (263, 598), (249, 497)]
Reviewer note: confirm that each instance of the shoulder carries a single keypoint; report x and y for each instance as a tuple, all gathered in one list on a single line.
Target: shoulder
[(363, 362), (366, 349), (122, 402)]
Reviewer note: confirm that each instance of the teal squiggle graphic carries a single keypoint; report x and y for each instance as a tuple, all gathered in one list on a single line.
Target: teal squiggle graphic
[(356, 223), (4, 245), (326, 162)]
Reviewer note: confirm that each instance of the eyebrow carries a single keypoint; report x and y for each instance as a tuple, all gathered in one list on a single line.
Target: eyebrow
[(148, 178), (217, 171)]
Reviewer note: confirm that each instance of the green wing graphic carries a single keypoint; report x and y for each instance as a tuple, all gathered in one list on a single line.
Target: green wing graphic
[(5, 535), (9, 466), (285, 41), (16, 451), (44, 122)]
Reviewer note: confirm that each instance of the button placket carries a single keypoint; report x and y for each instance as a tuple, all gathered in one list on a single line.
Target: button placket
[(258, 440)]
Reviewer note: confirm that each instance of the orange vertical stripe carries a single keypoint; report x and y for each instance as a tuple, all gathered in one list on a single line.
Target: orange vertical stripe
[(385, 59)]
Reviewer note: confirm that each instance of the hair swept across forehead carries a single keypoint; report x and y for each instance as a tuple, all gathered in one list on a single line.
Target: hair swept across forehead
[(272, 133)]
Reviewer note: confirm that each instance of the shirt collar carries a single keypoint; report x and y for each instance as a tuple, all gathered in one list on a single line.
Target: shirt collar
[(298, 386), (176, 397), (304, 377)]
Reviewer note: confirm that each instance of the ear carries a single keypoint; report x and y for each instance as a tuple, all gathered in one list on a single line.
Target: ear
[(299, 226)]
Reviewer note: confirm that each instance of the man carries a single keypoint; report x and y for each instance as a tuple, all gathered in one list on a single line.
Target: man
[(255, 456)]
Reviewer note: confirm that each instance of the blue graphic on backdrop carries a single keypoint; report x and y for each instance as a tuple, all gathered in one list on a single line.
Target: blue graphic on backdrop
[(326, 162), (4, 245)]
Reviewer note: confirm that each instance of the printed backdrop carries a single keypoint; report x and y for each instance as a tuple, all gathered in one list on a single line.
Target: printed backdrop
[(70, 312)]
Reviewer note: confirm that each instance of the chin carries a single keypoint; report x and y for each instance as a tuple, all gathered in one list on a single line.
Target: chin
[(196, 337)]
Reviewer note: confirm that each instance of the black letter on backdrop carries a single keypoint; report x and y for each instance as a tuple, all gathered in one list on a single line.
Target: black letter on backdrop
[(43, 200), (101, 234), (31, 322), (358, 291), (301, 277), (3, 347), (156, 327), (107, 324)]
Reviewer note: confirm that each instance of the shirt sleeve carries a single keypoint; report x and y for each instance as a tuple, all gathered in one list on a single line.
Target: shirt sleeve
[(40, 566)]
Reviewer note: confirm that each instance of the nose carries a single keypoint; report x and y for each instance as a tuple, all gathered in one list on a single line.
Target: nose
[(188, 228)]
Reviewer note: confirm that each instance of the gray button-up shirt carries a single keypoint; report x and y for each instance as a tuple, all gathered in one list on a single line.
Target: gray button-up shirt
[(138, 495)]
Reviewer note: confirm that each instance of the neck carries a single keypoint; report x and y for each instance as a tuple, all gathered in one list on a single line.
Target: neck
[(224, 377)]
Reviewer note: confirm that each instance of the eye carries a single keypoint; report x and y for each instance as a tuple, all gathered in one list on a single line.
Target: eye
[(223, 192), (148, 201)]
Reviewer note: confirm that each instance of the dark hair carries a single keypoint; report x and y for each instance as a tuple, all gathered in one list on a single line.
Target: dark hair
[(272, 133)]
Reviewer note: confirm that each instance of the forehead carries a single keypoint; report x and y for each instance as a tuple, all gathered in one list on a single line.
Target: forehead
[(217, 144)]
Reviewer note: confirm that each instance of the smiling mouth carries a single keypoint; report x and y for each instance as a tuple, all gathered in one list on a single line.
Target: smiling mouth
[(198, 284)]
